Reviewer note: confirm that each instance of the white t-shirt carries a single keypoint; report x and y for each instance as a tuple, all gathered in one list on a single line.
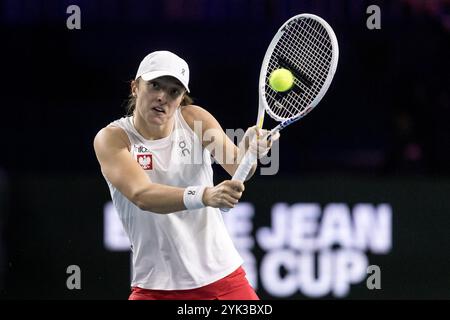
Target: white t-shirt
[(181, 250)]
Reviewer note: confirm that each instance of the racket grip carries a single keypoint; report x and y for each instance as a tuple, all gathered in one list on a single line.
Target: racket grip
[(242, 171)]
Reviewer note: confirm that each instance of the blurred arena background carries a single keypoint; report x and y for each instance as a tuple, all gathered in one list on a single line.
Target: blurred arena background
[(367, 184)]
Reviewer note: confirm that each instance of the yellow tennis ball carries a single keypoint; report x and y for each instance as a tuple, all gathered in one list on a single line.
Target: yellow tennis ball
[(281, 80)]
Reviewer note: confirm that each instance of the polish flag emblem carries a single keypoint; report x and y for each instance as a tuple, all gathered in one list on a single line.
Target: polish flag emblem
[(145, 160)]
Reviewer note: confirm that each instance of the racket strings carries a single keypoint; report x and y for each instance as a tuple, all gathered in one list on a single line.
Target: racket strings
[(315, 47), (316, 62), (318, 48), (306, 37), (307, 46)]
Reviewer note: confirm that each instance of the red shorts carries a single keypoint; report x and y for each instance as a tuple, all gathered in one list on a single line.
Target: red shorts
[(232, 287)]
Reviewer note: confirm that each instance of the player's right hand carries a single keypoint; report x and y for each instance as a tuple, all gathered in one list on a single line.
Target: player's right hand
[(223, 195)]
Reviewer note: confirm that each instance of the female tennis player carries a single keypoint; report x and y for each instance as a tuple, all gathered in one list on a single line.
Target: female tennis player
[(157, 163)]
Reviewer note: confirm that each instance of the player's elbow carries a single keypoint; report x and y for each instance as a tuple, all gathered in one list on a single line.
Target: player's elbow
[(140, 199), (142, 205), (146, 200)]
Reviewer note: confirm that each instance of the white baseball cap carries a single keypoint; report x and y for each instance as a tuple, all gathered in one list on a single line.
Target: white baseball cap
[(164, 63)]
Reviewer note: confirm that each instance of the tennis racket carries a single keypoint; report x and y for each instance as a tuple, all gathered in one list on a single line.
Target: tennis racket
[(307, 46)]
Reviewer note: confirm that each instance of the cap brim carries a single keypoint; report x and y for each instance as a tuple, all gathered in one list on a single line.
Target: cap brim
[(156, 74)]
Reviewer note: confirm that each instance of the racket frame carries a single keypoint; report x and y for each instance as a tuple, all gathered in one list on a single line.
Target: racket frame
[(250, 159)]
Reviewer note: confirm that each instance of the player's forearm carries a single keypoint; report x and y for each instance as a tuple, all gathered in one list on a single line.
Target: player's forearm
[(159, 198)]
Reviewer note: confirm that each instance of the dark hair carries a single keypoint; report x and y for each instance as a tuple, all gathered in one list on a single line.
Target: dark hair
[(131, 102)]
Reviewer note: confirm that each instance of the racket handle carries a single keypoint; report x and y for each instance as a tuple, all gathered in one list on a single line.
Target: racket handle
[(242, 171)]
